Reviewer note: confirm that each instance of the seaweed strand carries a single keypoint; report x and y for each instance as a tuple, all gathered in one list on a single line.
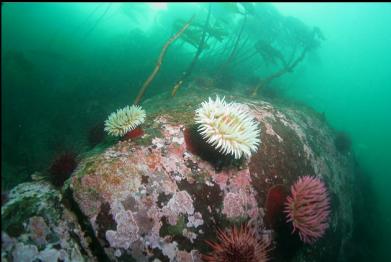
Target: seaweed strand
[(160, 60), (199, 50)]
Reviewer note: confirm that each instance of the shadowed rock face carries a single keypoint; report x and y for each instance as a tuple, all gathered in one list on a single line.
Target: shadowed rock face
[(150, 197), (37, 225)]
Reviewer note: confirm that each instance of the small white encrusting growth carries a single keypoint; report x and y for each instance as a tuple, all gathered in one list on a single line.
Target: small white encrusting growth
[(228, 127), (124, 120)]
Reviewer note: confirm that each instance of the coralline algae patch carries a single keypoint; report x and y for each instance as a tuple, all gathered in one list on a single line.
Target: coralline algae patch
[(157, 200), (158, 188)]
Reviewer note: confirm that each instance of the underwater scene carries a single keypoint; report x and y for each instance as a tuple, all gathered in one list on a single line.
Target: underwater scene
[(237, 131)]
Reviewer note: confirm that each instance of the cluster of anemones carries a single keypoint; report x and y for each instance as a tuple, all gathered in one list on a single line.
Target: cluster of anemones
[(228, 127)]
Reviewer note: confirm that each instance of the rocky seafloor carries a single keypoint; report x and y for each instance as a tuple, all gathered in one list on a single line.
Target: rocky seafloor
[(152, 199)]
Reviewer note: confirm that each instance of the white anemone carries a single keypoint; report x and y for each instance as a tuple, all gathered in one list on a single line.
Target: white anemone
[(124, 120), (228, 127)]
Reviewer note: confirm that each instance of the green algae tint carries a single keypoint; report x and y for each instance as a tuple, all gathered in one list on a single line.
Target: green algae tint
[(319, 74)]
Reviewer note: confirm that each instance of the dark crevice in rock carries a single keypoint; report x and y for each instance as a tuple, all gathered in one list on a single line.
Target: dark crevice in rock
[(287, 245), (197, 145), (94, 245), (126, 258), (105, 222), (78, 240), (159, 255)]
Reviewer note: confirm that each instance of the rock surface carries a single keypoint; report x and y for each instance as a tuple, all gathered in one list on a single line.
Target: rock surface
[(152, 199), (36, 226)]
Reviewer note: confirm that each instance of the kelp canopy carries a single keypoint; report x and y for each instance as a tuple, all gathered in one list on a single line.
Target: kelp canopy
[(252, 36)]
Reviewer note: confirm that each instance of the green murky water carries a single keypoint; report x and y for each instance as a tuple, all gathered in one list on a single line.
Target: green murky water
[(65, 67)]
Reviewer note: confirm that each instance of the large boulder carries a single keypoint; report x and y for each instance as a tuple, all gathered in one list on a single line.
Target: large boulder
[(151, 198)]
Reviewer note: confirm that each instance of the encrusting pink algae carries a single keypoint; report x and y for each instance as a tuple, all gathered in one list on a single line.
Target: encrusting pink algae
[(152, 197)]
